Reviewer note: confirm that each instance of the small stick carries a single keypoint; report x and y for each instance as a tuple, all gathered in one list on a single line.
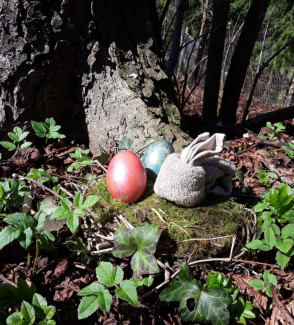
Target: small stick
[(283, 310), (7, 281), (257, 263), (83, 267), (200, 239), (102, 251), (100, 165)]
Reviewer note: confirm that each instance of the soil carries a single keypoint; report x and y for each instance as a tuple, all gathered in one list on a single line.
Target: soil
[(61, 273)]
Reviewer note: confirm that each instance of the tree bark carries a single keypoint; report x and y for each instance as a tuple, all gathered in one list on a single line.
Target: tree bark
[(92, 65), (214, 64), (240, 61), (176, 38)]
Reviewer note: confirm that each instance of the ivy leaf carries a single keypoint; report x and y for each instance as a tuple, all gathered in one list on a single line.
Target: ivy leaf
[(88, 306), (144, 263), (108, 275), (209, 305), (140, 241), (127, 291), (8, 235)]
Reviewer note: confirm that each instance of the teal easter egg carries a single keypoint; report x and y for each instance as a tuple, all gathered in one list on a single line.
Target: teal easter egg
[(155, 156)]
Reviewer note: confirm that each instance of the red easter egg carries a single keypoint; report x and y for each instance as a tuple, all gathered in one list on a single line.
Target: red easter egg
[(126, 177)]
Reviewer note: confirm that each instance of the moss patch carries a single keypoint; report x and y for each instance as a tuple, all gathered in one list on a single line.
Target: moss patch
[(212, 219)]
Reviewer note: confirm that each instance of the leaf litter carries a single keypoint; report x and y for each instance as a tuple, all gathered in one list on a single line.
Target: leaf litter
[(59, 276)]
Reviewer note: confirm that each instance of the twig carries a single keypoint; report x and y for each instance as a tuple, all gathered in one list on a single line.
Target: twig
[(100, 165), (102, 251), (7, 281), (283, 310), (83, 267), (257, 263), (207, 239), (41, 185)]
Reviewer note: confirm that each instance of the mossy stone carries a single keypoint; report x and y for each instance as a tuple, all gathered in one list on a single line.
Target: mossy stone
[(211, 219)]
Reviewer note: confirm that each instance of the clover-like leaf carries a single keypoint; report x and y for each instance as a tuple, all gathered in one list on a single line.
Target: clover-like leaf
[(28, 312), (127, 291), (109, 275), (140, 241)]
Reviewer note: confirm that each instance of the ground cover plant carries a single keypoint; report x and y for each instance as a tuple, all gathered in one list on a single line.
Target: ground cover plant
[(71, 255)]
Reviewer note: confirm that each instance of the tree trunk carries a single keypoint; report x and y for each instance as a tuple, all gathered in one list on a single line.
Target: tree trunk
[(92, 65), (214, 64), (240, 61), (176, 39)]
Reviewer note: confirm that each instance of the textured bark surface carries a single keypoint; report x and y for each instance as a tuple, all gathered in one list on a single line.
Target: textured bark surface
[(92, 65)]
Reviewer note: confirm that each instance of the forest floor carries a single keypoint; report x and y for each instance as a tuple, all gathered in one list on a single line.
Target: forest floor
[(59, 274)]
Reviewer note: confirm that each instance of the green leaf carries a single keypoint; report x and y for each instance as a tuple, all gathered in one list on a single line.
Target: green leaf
[(41, 307), (105, 300), (288, 231), (140, 241), (40, 129), (25, 238), (13, 137), (11, 296), (270, 279), (79, 212), (257, 284), (17, 130), (284, 245), (66, 204), (108, 275), (92, 289), (21, 220), (16, 319), (8, 145), (270, 237), (55, 135), (73, 223), (127, 291), (23, 135), (145, 281), (143, 262), (28, 312), (261, 206), (26, 145), (209, 305), (90, 201), (59, 213), (282, 259), (88, 306), (8, 235), (258, 244), (126, 143), (40, 216), (78, 200)]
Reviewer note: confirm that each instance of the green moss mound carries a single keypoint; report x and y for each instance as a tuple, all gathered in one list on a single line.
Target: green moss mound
[(212, 219)]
